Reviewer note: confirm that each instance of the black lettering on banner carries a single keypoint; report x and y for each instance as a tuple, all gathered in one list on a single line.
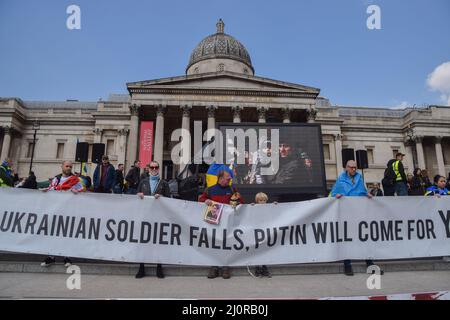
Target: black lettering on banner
[(5, 227), (175, 234), (346, 237), (81, 230), (225, 240), (43, 226), (398, 229), (52, 232), (237, 234), (192, 236), (155, 233), (110, 229), (122, 235), (31, 221), (62, 226), (146, 229), (300, 233), (203, 240), (360, 231), (320, 232), (163, 233), (430, 229), (259, 237), (271, 243), (410, 228), (283, 234), (72, 227), (132, 240), (446, 221), (214, 245), (94, 228), (17, 220), (374, 232), (387, 231)]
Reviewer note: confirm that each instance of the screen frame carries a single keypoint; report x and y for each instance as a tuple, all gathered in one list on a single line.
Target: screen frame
[(282, 190)]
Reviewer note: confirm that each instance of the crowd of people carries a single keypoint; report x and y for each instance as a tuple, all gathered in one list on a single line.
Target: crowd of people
[(107, 179)]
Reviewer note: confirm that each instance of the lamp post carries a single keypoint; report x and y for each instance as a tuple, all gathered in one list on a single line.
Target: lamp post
[(36, 127), (411, 138)]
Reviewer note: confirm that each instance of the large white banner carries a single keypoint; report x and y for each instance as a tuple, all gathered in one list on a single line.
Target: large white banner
[(126, 228)]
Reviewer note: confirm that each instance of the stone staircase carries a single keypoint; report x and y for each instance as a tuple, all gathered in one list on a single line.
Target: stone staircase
[(30, 263)]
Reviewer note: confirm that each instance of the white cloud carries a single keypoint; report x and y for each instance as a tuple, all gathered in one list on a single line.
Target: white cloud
[(439, 80)]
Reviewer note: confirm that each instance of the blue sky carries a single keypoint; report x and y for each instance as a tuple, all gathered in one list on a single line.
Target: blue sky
[(319, 43)]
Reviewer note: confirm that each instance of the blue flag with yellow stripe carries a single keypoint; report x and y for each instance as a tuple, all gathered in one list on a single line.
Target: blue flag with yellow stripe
[(213, 171)]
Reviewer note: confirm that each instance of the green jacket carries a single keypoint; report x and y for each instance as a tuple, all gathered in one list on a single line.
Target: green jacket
[(5, 179)]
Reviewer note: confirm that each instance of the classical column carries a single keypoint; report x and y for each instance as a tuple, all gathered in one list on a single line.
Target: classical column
[(338, 148), (134, 134), (262, 114), (185, 125), (6, 143), (311, 114), (409, 156), (159, 134), (286, 115), (97, 135), (211, 121), (122, 133), (237, 114), (420, 155), (440, 156)]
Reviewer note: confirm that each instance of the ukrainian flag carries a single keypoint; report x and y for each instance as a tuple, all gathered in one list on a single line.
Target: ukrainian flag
[(213, 171)]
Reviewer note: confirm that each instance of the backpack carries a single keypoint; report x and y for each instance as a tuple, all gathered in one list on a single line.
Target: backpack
[(389, 176)]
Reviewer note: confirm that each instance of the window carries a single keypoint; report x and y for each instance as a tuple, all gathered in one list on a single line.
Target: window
[(221, 67), (30, 149), (110, 147), (60, 151), (245, 70), (370, 155), (394, 152), (326, 152)]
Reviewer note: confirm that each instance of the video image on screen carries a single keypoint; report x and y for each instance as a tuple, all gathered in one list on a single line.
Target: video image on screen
[(298, 153)]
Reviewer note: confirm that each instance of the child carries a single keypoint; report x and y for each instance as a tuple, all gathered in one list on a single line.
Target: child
[(262, 271)]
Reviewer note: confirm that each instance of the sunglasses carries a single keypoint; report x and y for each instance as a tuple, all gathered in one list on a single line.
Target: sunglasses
[(153, 168)]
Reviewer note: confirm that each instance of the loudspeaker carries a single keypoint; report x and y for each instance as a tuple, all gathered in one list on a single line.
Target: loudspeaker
[(361, 159), (347, 154), (81, 154), (98, 150)]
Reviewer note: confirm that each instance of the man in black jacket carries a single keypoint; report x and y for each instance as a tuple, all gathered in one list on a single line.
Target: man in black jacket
[(152, 186), (118, 184), (133, 177)]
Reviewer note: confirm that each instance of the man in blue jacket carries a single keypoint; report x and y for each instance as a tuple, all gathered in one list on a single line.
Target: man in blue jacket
[(350, 183), (104, 176)]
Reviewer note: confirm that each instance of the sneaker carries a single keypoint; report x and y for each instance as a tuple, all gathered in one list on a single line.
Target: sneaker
[(48, 262), (213, 272), (226, 274), (67, 262), (265, 272), (159, 271), (141, 272), (348, 270)]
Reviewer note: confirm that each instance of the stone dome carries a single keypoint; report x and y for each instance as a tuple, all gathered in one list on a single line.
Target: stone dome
[(221, 47)]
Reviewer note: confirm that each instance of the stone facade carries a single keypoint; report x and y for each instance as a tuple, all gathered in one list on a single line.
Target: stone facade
[(219, 90)]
